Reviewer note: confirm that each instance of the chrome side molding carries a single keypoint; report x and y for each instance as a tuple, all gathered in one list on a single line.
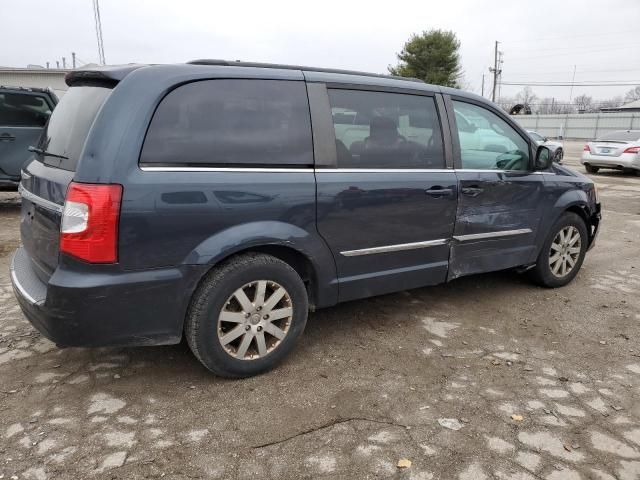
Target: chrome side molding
[(395, 248), (43, 202), (498, 234)]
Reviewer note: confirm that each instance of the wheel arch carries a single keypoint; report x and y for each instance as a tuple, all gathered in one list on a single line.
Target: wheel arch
[(304, 251)]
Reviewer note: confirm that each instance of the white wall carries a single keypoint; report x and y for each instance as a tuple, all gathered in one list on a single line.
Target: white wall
[(51, 78), (579, 126)]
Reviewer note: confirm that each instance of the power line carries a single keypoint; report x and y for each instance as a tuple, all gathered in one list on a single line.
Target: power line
[(535, 40), (560, 54)]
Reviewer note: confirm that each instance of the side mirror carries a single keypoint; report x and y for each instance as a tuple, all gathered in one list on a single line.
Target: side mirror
[(544, 158)]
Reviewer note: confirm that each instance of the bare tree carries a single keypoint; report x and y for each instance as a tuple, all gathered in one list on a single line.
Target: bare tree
[(611, 103), (584, 103), (526, 96), (632, 95)]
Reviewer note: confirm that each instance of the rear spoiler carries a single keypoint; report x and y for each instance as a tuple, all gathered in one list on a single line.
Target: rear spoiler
[(100, 76)]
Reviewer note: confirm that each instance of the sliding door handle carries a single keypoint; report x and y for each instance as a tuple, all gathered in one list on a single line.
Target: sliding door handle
[(439, 191), (7, 137)]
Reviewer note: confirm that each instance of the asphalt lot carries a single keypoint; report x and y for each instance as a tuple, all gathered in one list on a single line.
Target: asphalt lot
[(488, 377)]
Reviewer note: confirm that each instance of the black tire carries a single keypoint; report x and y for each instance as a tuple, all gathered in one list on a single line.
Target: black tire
[(591, 169), (559, 155), (201, 324), (541, 273)]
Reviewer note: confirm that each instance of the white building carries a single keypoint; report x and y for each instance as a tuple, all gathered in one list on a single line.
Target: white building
[(52, 78)]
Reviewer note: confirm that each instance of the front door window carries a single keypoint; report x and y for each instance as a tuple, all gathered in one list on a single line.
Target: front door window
[(487, 142)]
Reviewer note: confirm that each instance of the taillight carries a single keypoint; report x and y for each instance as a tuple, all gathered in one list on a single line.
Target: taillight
[(632, 150), (586, 148), (89, 229)]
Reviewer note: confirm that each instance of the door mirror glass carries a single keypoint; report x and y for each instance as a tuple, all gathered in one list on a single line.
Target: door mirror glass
[(544, 158)]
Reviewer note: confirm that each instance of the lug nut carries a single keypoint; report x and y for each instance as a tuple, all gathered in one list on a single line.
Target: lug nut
[(259, 328), (259, 308), (248, 327), (266, 317), (247, 315)]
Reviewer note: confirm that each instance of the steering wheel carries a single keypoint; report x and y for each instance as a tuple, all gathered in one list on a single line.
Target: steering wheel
[(509, 160)]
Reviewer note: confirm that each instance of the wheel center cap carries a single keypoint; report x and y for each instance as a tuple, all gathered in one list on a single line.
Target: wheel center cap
[(255, 319)]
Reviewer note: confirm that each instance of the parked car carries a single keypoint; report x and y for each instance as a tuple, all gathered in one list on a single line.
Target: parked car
[(222, 202), (556, 147), (23, 113), (619, 150)]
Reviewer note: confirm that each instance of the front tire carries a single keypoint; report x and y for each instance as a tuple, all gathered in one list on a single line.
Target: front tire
[(559, 155), (246, 315), (591, 169), (563, 252)]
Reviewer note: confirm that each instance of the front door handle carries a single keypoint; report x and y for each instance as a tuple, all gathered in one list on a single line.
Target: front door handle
[(472, 191), (7, 137), (438, 191)]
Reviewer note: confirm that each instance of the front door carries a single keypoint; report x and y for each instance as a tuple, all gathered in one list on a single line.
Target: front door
[(388, 210), (500, 198), (22, 116)]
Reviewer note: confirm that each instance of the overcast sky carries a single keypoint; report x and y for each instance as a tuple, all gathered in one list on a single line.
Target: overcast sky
[(541, 40)]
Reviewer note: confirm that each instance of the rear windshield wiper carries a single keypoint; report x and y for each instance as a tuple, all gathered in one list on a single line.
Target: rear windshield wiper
[(39, 151)]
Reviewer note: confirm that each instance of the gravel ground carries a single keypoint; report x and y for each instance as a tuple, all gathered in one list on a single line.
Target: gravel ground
[(488, 377)]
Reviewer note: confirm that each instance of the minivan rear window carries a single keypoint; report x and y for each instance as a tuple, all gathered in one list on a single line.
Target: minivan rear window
[(231, 123), (68, 127), (620, 136)]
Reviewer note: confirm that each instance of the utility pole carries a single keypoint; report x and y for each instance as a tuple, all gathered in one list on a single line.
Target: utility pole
[(573, 79), (483, 84), (73, 60), (496, 71), (64, 62), (96, 16), (58, 64)]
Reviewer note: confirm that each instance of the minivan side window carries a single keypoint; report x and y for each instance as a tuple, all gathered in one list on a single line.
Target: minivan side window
[(232, 123), (386, 130), (487, 142)]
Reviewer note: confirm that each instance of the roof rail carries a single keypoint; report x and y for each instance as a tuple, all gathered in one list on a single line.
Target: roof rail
[(238, 63)]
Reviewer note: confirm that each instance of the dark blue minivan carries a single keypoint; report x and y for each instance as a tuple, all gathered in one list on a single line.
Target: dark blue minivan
[(224, 200)]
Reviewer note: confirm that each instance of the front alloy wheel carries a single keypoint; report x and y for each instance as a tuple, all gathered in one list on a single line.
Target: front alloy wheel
[(565, 251), (562, 253)]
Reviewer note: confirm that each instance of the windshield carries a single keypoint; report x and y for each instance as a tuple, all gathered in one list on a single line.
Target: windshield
[(620, 136), (69, 124), (536, 137)]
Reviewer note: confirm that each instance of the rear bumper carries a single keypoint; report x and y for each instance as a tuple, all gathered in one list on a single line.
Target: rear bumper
[(626, 160), (105, 309)]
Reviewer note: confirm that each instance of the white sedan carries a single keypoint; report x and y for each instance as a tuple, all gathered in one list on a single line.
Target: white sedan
[(619, 150), (557, 147)]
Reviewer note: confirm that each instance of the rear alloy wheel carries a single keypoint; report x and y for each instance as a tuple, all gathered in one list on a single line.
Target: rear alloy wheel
[(563, 252), (254, 320), (246, 315), (591, 168)]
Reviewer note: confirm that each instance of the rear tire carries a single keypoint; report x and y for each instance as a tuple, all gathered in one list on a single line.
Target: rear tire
[(562, 253), (591, 169), (228, 326)]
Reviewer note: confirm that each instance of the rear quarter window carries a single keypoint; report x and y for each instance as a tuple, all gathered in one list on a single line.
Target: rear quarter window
[(231, 123)]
